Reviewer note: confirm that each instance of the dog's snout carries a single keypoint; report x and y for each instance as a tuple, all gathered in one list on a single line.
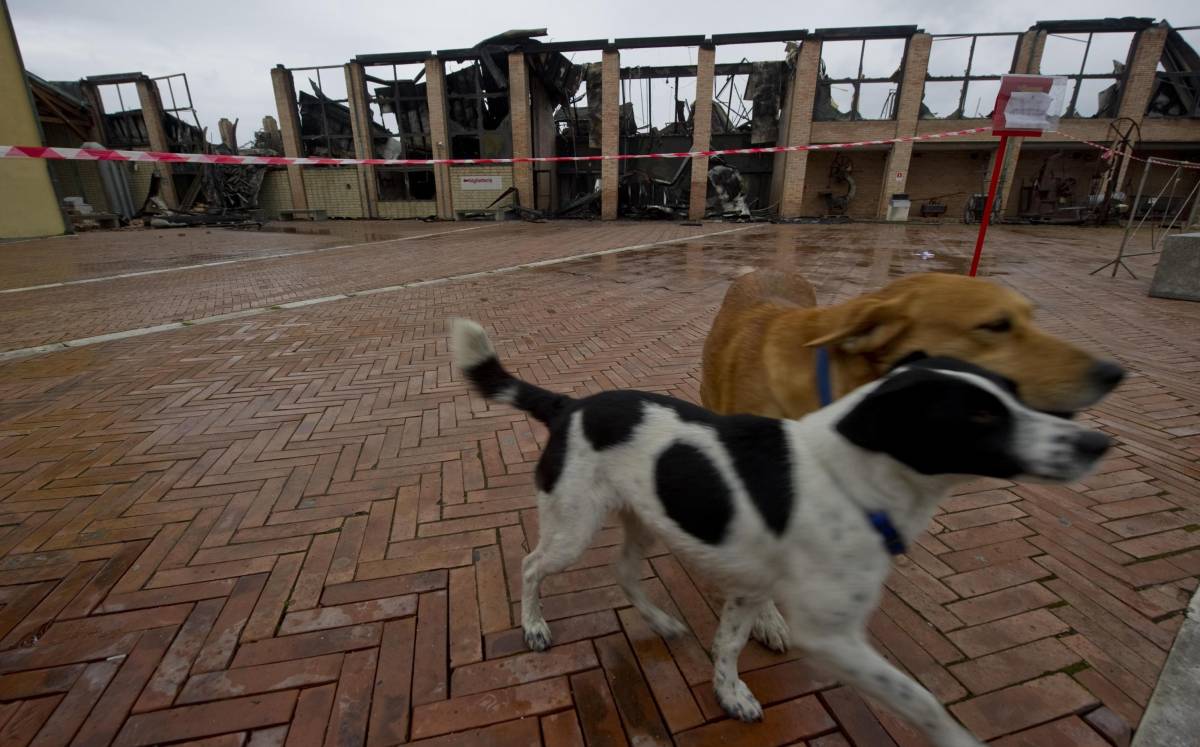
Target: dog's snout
[(1106, 374), (1091, 444)]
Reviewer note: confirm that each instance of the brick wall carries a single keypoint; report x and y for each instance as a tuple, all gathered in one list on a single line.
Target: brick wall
[(1171, 129), (954, 174), (80, 179), (276, 193), (435, 94), (407, 209), (796, 166), (912, 91), (936, 173), (284, 87), (139, 182), (1139, 83), (610, 104), (701, 131), (868, 176), (522, 132), (334, 190), (477, 199), (1080, 165)]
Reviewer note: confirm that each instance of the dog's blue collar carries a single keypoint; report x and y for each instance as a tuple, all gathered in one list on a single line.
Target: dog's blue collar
[(882, 523), (824, 380)]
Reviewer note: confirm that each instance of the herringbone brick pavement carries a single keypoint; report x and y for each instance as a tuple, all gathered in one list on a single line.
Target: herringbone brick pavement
[(78, 311), (300, 528)]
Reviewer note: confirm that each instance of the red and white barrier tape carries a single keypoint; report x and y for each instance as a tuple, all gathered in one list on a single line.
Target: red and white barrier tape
[(103, 154), (1109, 153)]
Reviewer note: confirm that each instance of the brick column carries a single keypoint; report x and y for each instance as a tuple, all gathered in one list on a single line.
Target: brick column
[(702, 129), (799, 113), (545, 181), (1142, 72), (1028, 59), (289, 130), (435, 93), (152, 115), (360, 126), (1140, 79), (522, 130), (908, 109), (610, 131)]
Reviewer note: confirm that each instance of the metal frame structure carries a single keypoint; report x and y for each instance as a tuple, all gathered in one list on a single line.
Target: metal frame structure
[(1077, 79), (478, 97), (1118, 262), (967, 78), (862, 36), (1063, 30), (1194, 75), (175, 108), (116, 80), (413, 144), (324, 135)]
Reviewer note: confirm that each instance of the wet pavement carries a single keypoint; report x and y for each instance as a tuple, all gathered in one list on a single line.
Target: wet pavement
[(300, 524)]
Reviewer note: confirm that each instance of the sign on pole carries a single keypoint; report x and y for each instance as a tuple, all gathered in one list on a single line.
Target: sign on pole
[(1026, 106)]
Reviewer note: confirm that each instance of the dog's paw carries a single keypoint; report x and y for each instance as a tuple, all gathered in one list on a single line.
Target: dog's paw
[(537, 635), (771, 630), (737, 701), (665, 625)]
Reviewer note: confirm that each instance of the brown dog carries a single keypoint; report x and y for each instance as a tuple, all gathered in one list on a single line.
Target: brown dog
[(759, 356)]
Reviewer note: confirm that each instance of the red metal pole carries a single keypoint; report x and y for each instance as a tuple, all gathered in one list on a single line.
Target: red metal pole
[(991, 200)]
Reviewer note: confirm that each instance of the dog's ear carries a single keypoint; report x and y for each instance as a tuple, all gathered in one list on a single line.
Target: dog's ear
[(865, 327), (885, 418)]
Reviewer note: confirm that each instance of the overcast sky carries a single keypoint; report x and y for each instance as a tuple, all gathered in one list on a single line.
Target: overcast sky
[(227, 48)]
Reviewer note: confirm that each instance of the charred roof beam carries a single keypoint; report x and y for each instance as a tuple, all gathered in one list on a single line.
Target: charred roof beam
[(684, 71), (1094, 25)]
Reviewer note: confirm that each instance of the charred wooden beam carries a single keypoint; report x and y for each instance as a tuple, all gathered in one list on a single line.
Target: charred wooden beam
[(683, 71)]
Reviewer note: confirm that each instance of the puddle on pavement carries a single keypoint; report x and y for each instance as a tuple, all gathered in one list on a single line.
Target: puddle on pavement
[(834, 262), (297, 229)]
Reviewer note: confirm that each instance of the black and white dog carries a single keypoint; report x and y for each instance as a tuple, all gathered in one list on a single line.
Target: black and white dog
[(803, 512)]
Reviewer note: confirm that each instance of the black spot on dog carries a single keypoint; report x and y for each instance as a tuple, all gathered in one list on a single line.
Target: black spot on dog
[(610, 425), (550, 466), (936, 423), (761, 456), (693, 493), (858, 597), (609, 418)]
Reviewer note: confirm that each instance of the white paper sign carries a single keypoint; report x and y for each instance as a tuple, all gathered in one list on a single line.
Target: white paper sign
[(1036, 110), (481, 182), (1027, 110)]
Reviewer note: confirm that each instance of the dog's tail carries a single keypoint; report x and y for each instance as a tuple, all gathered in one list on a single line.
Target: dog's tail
[(474, 354)]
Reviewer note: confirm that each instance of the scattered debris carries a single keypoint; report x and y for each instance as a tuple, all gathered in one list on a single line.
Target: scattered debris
[(728, 187), (1177, 88), (84, 217), (840, 172)]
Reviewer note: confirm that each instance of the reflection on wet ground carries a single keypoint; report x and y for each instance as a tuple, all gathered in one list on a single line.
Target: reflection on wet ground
[(838, 265), (99, 254), (840, 261), (297, 229)]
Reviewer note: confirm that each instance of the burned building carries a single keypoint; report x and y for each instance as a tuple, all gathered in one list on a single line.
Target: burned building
[(1132, 83), (133, 111)]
